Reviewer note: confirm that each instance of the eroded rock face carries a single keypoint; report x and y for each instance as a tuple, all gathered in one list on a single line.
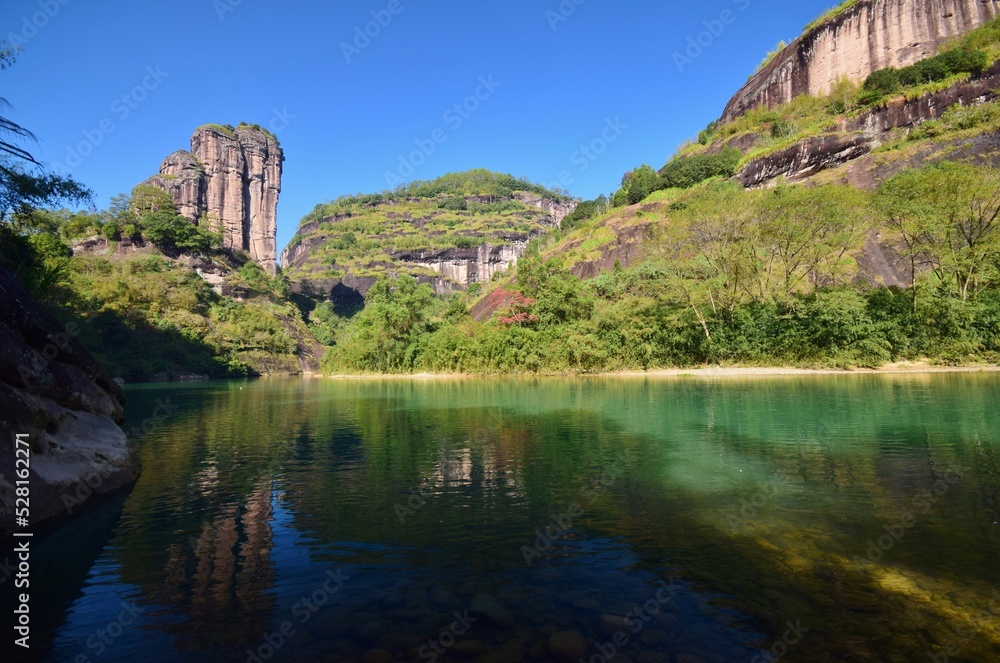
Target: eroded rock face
[(855, 138), (65, 405), (554, 208), (233, 178), (870, 35), (467, 266)]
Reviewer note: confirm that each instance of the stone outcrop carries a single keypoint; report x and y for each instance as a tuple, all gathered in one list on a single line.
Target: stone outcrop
[(467, 266), (453, 268), (855, 138), (869, 35), (554, 208), (67, 407), (232, 177)]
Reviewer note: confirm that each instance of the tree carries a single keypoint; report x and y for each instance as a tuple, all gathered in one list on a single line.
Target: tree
[(174, 232), (639, 183), (147, 199), (948, 217), (25, 187), (382, 336), (806, 236)]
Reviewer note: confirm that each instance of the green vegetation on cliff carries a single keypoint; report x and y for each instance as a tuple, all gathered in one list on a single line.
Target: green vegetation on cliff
[(729, 276), (368, 235), (128, 278), (763, 131)]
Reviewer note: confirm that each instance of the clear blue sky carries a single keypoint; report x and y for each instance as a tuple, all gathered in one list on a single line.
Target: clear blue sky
[(559, 77)]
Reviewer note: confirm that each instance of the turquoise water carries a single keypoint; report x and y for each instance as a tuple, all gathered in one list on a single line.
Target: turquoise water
[(828, 518)]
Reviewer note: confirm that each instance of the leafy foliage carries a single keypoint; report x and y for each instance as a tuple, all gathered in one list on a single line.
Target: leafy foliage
[(753, 277), (684, 172), (387, 233)]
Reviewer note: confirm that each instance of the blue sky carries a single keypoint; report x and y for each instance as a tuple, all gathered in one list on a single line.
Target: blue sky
[(113, 86)]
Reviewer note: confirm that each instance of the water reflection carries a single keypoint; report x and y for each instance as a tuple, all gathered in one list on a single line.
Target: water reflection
[(756, 501)]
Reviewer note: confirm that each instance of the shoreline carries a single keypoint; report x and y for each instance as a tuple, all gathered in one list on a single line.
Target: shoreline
[(901, 368)]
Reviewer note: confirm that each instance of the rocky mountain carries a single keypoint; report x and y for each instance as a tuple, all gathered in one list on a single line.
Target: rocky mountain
[(453, 232), (806, 137), (867, 35), (232, 179), (66, 406)]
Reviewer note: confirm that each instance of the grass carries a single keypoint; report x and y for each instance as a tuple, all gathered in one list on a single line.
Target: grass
[(956, 123), (369, 230), (225, 129), (773, 53), (769, 130), (830, 13)]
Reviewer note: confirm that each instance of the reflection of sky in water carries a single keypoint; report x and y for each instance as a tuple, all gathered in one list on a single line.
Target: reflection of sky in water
[(753, 495), (96, 623)]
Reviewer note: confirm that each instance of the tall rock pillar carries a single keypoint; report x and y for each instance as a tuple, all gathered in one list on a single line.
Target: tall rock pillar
[(232, 177)]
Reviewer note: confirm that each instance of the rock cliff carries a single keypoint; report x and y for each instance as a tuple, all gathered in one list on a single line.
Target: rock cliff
[(453, 232), (231, 177), (851, 139), (67, 407), (869, 35)]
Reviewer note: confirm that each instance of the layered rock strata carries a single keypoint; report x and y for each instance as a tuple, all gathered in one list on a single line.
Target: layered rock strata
[(231, 178), (867, 36)]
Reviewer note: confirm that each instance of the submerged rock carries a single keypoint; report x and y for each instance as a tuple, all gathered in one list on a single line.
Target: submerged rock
[(568, 646), (377, 656), (67, 409), (484, 605), (469, 649)]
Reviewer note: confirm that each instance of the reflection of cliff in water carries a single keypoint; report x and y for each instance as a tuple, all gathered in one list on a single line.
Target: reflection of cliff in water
[(57, 578), (224, 574)]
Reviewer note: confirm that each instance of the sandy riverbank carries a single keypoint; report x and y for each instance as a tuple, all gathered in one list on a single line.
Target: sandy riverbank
[(699, 371)]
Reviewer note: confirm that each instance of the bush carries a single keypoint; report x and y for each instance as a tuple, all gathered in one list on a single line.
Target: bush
[(781, 128), (172, 232), (111, 231), (706, 134), (883, 81), (890, 80), (454, 203), (684, 172)]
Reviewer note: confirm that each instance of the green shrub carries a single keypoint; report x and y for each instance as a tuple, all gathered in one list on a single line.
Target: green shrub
[(706, 134), (883, 81), (684, 172), (111, 231), (955, 61), (454, 203), (781, 128), (170, 231)]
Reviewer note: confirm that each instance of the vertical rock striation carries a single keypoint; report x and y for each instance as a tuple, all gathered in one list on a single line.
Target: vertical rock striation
[(869, 35), (232, 177)]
